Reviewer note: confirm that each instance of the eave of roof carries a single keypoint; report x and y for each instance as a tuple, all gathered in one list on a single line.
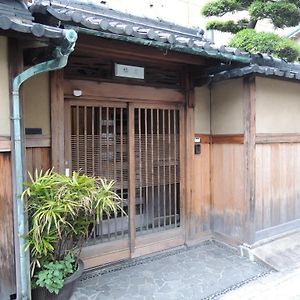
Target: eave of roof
[(100, 21), (280, 69), (16, 17)]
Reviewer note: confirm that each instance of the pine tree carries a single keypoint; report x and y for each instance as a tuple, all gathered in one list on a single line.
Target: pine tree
[(282, 13)]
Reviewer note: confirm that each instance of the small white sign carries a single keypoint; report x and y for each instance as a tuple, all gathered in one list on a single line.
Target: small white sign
[(129, 71), (197, 140)]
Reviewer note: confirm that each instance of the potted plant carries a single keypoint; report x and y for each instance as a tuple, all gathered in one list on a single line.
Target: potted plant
[(62, 214)]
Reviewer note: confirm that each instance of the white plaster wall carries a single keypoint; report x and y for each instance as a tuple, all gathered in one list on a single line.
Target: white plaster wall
[(37, 103), (227, 107), (4, 89), (202, 110), (277, 106)]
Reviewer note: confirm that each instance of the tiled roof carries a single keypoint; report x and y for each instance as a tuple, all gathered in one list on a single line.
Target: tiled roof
[(265, 65), (14, 15), (99, 18)]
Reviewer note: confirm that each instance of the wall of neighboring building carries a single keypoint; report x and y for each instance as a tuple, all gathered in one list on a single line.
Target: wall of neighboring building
[(7, 271), (277, 156), (227, 107), (4, 89), (219, 169), (227, 157), (37, 103), (201, 185), (277, 106), (36, 93), (202, 110)]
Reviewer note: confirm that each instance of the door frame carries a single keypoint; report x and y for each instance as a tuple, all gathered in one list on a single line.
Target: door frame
[(134, 246)]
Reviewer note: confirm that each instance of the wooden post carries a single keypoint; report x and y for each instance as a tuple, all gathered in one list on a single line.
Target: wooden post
[(189, 155), (57, 119), (250, 161), (131, 178)]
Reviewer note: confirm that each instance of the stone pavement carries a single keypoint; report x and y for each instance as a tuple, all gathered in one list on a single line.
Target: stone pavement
[(283, 285), (203, 272), (282, 253)]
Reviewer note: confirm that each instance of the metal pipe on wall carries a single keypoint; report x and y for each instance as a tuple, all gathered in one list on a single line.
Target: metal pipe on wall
[(60, 60)]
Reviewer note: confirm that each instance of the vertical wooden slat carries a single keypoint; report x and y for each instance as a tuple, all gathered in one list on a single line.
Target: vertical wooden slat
[(93, 140), (158, 165), (77, 137), (140, 170), (107, 159), (152, 170), (170, 177), (175, 166), (100, 141), (182, 159), (85, 139), (164, 164), (68, 137), (115, 159), (146, 169), (57, 119), (131, 178), (122, 170)]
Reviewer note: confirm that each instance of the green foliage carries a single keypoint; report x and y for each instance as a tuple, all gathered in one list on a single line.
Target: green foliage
[(227, 26), (52, 274), (264, 42), (62, 214), (220, 7), (281, 13)]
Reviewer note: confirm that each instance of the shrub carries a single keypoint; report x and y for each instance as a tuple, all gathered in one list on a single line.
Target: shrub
[(263, 42)]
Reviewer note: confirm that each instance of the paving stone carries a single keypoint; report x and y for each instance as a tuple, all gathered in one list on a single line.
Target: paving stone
[(193, 273)]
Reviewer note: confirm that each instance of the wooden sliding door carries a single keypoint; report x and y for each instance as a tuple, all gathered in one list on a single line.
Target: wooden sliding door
[(96, 144), (139, 147), (157, 169)]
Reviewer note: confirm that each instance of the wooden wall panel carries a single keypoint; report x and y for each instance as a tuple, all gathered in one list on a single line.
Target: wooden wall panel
[(277, 184), (7, 269), (201, 191), (38, 158), (228, 190)]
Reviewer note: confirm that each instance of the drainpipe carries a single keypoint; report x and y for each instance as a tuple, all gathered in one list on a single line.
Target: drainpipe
[(60, 60)]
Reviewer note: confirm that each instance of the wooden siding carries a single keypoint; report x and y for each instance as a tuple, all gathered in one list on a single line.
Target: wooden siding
[(38, 158), (277, 184), (7, 269), (228, 190), (201, 191)]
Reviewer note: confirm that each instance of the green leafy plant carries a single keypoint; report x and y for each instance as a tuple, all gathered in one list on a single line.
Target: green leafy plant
[(265, 42), (52, 274), (281, 13), (62, 214)]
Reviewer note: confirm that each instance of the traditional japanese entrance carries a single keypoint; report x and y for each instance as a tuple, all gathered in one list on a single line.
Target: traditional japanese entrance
[(139, 145)]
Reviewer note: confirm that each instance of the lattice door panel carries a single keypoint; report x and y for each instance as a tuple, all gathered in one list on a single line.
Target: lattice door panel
[(99, 147), (157, 169)]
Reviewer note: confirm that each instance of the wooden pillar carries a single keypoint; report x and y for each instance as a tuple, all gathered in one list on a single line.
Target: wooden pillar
[(250, 157), (189, 157), (57, 119)]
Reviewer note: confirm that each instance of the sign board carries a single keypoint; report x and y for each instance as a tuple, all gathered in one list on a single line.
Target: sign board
[(129, 71)]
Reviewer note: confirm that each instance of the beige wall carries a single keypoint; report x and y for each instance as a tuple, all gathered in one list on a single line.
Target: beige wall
[(4, 89), (202, 110), (277, 106), (227, 107), (37, 103)]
